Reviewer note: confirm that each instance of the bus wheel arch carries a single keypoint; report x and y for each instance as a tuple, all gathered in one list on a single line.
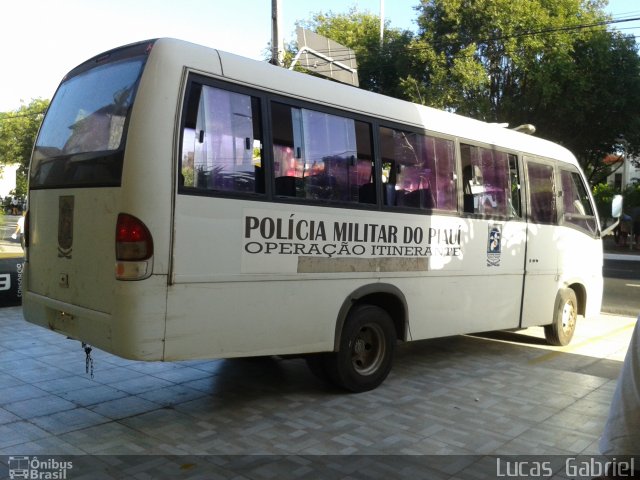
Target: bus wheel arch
[(565, 315), (581, 297), (385, 296)]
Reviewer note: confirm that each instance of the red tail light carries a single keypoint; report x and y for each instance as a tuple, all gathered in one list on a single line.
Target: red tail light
[(133, 240), (134, 248)]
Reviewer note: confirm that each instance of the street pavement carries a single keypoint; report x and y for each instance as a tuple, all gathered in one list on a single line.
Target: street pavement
[(8, 246), (621, 272), (451, 408)]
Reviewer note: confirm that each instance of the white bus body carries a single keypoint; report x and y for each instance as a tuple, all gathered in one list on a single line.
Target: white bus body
[(203, 205)]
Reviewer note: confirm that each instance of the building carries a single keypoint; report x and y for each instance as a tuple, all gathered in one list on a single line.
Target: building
[(8, 179), (627, 174)]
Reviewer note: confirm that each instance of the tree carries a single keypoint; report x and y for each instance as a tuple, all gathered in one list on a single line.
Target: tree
[(18, 130), (589, 103), (603, 194), (500, 43), (550, 63)]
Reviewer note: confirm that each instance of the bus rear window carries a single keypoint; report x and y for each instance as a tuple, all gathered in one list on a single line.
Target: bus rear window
[(81, 141)]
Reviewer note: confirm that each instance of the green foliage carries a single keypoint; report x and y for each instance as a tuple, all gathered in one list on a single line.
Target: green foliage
[(552, 64), (603, 194), (18, 130), (592, 107), (631, 196), (494, 49)]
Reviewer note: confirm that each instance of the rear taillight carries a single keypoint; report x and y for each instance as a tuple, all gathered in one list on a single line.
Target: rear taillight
[(134, 248)]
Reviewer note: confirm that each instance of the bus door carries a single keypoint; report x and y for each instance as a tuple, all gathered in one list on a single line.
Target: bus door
[(541, 262), (580, 256), (495, 252)]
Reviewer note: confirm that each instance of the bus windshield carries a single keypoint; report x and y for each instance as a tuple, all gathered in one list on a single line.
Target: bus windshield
[(81, 139)]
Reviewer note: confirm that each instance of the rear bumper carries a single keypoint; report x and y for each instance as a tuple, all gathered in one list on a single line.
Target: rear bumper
[(115, 333), (79, 323)]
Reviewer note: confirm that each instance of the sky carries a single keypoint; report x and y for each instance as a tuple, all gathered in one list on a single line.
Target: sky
[(41, 40)]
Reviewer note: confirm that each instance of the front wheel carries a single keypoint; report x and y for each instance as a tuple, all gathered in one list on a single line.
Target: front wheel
[(565, 315), (366, 350)]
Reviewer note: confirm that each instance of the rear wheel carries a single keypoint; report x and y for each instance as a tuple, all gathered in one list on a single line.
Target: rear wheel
[(366, 350), (560, 332)]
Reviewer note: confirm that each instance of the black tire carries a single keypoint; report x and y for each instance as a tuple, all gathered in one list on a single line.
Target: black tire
[(366, 350), (565, 315)]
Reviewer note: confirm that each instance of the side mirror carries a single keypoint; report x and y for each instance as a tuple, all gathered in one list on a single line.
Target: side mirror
[(616, 212), (616, 206)]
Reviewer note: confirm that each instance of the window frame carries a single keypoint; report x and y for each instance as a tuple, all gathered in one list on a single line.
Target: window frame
[(522, 217), (527, 159), (321, 109), (201, 80), (564, 217), (265, 100), (378, 124)]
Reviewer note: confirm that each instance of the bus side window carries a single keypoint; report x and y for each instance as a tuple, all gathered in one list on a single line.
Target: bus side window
[(542, 193), (577, 208), (418, 171), (222, 142), (490, 182), (320, 156)]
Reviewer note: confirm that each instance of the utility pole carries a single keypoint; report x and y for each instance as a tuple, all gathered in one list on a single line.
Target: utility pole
[(277, 44), (381, 22)]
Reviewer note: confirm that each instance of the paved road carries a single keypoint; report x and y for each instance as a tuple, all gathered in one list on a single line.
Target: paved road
[(449, 408), (621, 285), (7, 226)]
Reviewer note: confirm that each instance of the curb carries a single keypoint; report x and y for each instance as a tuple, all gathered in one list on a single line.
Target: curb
[(630, 257)]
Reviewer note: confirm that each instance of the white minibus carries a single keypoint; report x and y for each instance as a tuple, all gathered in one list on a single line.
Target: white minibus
[(187, 203)]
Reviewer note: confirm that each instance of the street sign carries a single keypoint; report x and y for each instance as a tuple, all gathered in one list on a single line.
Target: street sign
[(325, 57), (11, 267)]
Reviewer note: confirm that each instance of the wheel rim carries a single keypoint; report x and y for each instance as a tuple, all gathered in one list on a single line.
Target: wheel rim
[(368, 349), (569, 316)]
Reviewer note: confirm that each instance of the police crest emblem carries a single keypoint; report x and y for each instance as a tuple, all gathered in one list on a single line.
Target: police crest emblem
[(494, 245), (65, 226)]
